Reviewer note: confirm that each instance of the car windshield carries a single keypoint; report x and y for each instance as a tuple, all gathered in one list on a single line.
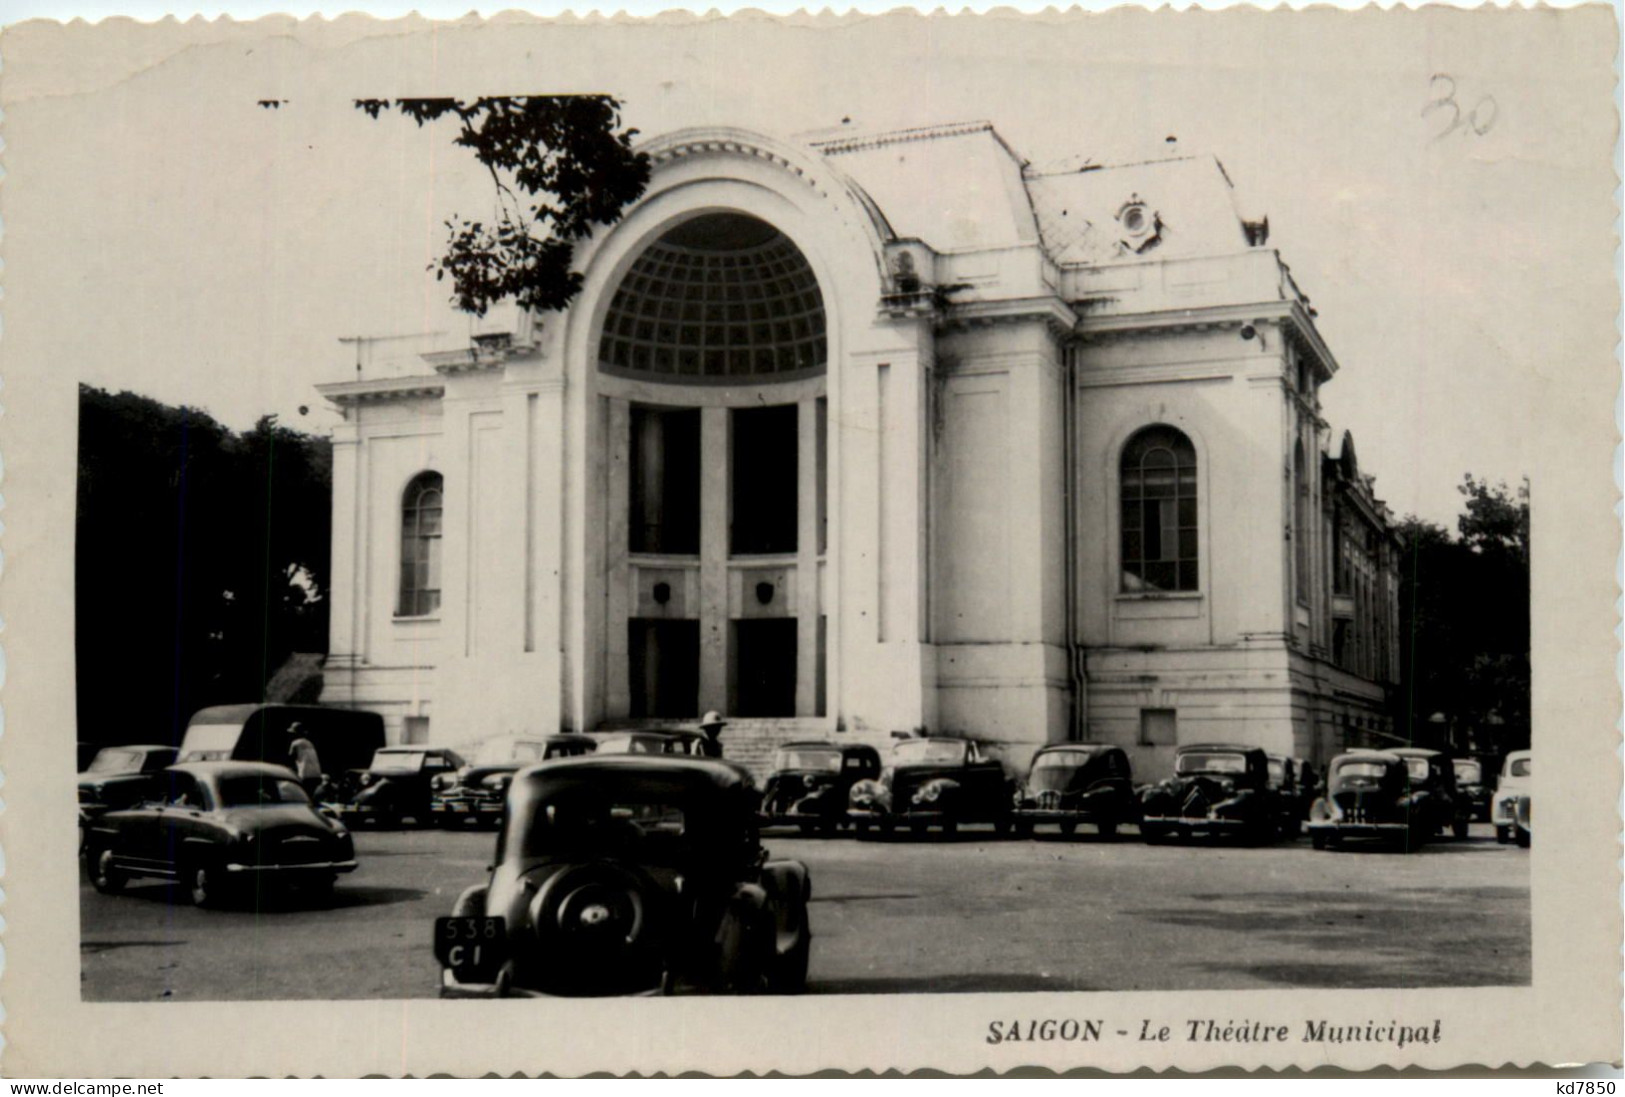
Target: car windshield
[(1362, 768), (1417, 768), (928, 752), (828, 761), (1518, 767), (213, 740), (561, 750), (115, 760), (1469, 773), (1209, 762), (254, 790), (399, 759), (1061, 759)]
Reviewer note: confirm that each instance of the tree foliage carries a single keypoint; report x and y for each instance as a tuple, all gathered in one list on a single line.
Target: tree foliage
[(201, 562), (1464, 608), (562, 166)]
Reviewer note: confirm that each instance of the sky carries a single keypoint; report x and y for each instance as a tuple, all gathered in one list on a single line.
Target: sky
[(190, 245)]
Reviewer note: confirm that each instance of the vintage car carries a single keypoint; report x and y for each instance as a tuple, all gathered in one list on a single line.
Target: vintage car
[(939, 781), (1216, 789), (397, 785), (1072, 783), (811, 781), (217, 827), (1433, 791), (1512, 798), (1369, 796), (1296, 787), (120, 776), (1473, 788), (629, 874), (476, 793), (653, 741)]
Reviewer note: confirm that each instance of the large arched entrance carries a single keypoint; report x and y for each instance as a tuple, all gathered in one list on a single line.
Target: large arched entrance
[(712, 358)]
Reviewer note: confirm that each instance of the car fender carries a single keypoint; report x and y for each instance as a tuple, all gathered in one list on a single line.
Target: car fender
[(470, 902)]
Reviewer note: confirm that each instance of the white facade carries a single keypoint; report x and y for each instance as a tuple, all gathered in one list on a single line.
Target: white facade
[(617, 539)]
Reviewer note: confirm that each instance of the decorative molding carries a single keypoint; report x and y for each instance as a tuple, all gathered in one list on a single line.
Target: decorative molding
[(735, 147), (834, 146), (1057, 316), (350, 393)]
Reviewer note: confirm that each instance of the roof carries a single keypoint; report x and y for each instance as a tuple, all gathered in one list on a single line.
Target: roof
[(955, 186), (1190, 197), (697, 773), (226, 769), (1240, 747)]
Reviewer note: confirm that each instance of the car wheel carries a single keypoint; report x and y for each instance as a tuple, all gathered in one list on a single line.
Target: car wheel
[(744, 952), (1318, 840), (1107, 829), (1459, 828), (320, 887), (1153, 835), (204, 885), (103, 876), (1024, 829), (862, 829), (1069, 828), (829, 828), (1001, 826), (950, 827), (1523, 838), (807, 829), (1503, 835), (887, 827)]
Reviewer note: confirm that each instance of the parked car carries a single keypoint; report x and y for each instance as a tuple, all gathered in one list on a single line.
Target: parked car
[(1072, 783), (940, 781), (1369, 797), (652, 741), (344, 739), (811, 781), (622, 874), (397, 785), (1433, 791), (120, 776), (1216, 789), (1473, 788), (476, 793), (1512, 797), (1296, 786), (216, 826)]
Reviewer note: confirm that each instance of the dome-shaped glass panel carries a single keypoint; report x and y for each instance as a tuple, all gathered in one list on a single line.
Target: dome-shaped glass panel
[(720, 298)]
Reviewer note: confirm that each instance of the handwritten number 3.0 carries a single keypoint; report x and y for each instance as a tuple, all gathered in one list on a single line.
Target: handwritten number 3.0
[(1480, 120)]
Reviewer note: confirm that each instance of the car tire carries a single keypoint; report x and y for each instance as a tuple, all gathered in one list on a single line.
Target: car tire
[(1318, 840), (1068, 828), (103, 876), (862, 829), (320, 888), (1458, 829), (745, 952), (1503, 835), (1001, 826), (1024, 829), (888, 827), (1154, 836), (205, 886), (1523, 838), (950, 827), (807, 828)]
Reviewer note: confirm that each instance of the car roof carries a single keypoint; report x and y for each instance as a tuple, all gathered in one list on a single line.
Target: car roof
[(698, 774), (1238, 747), (1367, 755), (1519, 754), (134, 746), (231, 769), (1051, 748), (1416, 752), (562, 737)]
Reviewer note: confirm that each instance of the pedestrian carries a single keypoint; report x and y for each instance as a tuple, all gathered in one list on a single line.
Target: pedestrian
[(303, 760), (711, 725)]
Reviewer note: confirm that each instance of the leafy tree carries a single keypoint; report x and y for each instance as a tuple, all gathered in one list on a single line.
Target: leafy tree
[(572, 161), (201, 561), (1464, 607)]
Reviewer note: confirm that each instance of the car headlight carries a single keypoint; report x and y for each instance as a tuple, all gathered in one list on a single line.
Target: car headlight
[(440, 782), (367, 779)]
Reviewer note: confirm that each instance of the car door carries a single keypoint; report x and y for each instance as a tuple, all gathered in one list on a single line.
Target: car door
[(178, 823)]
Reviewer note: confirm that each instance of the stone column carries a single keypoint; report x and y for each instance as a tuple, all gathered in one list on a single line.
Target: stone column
[(714, 627), (344, 635)]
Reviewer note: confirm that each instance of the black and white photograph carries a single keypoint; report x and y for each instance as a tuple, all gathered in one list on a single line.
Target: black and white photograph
[(815, 511)]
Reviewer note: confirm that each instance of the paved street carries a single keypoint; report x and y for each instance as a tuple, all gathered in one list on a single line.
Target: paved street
[(971, 914)]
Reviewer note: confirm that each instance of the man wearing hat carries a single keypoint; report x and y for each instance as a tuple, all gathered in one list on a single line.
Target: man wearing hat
[(711, 725)]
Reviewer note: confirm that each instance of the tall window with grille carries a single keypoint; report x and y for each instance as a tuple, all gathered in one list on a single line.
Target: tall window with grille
[(421, 546), (1158, 492)]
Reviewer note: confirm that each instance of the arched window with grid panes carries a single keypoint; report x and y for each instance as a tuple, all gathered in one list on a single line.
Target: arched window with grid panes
[(421, 505), (1158, 499)]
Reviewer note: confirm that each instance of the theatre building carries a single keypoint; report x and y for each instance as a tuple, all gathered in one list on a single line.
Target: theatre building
[(865, 434)]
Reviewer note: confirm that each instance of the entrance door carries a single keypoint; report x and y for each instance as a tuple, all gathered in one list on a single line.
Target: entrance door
[(665, 668), (765, 667)]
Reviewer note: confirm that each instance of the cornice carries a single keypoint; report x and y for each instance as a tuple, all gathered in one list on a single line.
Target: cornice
[(1056, 315), (351, 393), (735, 146)]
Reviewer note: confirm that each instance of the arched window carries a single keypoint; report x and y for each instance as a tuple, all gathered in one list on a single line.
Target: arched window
[(1159, 511), (420, 546)]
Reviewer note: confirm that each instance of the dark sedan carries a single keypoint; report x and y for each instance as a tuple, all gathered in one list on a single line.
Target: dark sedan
[(217, 826), (811, 781), (477, 793), (397, 786), (939, 781), (1072, 783), (120, 776)]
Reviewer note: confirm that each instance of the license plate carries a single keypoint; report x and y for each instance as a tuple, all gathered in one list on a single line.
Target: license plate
[(474, 948)]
